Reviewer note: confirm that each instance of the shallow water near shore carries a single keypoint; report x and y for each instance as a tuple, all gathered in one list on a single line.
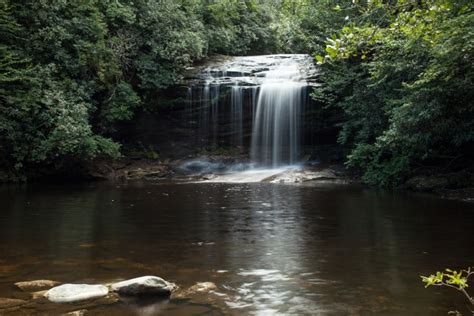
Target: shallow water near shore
[(270, 248)]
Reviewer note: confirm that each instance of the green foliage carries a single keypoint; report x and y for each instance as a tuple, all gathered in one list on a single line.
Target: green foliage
[(49, 93), (239, 27), (381, 167), (402, 81), (400, 71), (453, 279), (449, 277), (304, 25), (71, 70), (169, 36)]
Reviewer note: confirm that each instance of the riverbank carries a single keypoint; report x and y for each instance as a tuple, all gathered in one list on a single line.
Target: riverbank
[(216, 168), (226, 168)]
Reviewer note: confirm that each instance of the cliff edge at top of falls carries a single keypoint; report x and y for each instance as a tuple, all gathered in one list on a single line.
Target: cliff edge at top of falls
[(246, 70)]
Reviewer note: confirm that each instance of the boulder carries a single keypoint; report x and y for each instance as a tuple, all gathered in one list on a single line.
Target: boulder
[(67, 293), (146, 285), (36, 285)]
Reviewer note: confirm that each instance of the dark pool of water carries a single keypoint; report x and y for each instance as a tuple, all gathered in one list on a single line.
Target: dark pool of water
[(270, 249)]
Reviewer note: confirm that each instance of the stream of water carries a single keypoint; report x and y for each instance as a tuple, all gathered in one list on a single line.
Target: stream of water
[(271, 249)]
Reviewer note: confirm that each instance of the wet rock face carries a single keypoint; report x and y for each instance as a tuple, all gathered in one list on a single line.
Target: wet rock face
[(249, 70), (201, 166), (214, 108), (68, 293), (144, 286), (127, 169)]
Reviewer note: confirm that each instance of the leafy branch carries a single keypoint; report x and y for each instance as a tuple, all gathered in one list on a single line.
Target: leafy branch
[(453, 279)]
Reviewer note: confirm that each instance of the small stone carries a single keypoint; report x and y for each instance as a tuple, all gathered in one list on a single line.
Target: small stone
[(67, 293), (80, 312), (10, 302), (36, 285), (38, 294), (201, 291), (202, 287), (146, 285)]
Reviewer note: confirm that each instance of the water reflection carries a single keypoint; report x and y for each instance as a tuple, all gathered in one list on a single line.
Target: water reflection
[(270, 252), (271, 249)]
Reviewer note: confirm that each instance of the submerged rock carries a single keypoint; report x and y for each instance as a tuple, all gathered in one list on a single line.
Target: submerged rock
[(67, 293), (80, 312), (465, 194), (38, 294), (149, 305), (146, 285), (202, 287), (427, 183), (10, 302), (202, 293), (36, 285)]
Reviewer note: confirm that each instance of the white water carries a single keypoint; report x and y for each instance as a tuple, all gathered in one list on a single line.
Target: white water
[(248, 176), (269, 92), (276, 128)]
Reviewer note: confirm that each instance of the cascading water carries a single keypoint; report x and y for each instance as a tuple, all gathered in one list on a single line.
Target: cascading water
[(276, 127), (256, 103)]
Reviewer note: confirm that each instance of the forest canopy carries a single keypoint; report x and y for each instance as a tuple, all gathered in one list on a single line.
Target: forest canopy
[(403, 74), (399, 71)]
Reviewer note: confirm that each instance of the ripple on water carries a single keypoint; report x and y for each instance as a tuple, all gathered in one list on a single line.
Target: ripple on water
[(258, 272), (270, 292)]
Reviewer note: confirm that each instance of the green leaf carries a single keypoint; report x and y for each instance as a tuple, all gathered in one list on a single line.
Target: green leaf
[(332, 52)]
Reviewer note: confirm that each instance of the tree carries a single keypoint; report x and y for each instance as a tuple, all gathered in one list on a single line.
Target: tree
[(401, 83)]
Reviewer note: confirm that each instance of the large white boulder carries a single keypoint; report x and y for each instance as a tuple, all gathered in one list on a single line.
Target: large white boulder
[(146, 285), (67, 293)]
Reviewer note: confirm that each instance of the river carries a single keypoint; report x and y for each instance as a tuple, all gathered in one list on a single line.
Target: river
[(271, 249)]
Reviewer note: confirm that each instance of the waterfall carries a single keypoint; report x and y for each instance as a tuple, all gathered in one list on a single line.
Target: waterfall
[(256, 104), (276, 128), (236, 106)]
